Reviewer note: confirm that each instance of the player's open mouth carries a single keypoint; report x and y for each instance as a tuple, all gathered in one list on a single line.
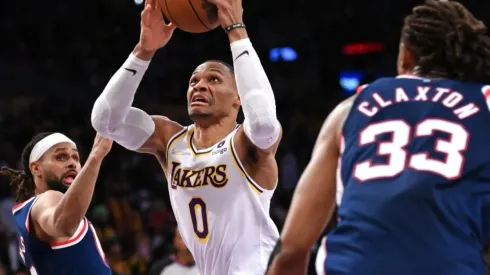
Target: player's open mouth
[(69, 178), (199, 100)]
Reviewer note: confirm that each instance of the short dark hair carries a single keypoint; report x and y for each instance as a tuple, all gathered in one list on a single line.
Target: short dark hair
[(227, 65), (448, 41), (23, 179)]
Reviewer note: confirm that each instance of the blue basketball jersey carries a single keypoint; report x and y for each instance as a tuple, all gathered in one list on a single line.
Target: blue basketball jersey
[(80, 255), (415, 173)]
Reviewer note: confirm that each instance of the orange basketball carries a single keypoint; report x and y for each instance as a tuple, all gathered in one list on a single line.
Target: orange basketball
[(195, 16)]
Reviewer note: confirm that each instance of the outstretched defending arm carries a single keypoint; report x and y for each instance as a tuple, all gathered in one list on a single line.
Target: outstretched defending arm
[(59, 215), (313, 201), (112, 115)]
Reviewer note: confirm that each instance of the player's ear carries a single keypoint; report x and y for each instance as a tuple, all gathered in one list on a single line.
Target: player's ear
[(237, 102), (406, 59), (35, 168)]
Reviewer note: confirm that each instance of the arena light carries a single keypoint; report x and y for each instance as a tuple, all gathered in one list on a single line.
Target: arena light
[(274, 54), (138, 2), (286, 54), (362, 48), (349, 81)]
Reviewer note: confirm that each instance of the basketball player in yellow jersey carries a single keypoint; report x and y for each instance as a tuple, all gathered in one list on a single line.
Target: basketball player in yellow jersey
[(221, 175)]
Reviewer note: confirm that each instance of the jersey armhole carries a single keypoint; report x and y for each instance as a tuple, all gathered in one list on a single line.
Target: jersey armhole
[(83, 228), (241, 168), (21, 205), (486, 95), (28, 218), (347, 114)]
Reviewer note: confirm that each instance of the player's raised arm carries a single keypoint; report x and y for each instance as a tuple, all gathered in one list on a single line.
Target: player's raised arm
[(112, 115), (261, 126), (313, 201), (58, 214)]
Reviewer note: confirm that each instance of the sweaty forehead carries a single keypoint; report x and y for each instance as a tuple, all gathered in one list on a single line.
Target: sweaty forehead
[(213, 66)]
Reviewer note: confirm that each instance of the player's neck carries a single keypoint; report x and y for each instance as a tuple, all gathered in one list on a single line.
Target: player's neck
[(206, 136), (37, 190), (184, 258), (434, 73)]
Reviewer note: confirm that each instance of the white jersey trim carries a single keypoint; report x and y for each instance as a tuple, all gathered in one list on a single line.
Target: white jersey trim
[(321, 256), (76, 238), (409, 76), (28, 218), (19, 206), (486, 94), (97, 244)]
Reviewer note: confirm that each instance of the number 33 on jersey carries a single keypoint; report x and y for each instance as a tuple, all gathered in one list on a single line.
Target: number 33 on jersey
[(414, 179), (399, 158), (424, 128)]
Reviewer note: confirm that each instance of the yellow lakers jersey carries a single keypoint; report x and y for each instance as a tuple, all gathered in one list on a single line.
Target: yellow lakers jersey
[(222, 214)]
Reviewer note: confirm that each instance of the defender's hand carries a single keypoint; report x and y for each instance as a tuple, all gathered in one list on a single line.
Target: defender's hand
[(229, 11), (101, 146), (155, 33)]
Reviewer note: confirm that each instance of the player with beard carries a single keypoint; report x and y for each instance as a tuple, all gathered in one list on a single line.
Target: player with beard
[(54, 193)]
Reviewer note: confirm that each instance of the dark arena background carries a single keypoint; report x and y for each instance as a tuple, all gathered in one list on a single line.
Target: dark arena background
[(57, 56)]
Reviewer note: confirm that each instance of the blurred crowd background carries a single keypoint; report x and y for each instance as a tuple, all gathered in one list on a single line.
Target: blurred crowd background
[(57, 56)]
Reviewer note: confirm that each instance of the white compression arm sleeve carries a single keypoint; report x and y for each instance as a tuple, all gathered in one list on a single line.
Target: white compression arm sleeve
[(258, 103), (113, 116)]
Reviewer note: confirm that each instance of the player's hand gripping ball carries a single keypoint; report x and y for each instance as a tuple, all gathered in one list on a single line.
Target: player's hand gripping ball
[(194, 16)]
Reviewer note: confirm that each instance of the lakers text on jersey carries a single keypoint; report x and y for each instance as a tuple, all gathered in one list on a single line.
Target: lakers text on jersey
[(222, 214)]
